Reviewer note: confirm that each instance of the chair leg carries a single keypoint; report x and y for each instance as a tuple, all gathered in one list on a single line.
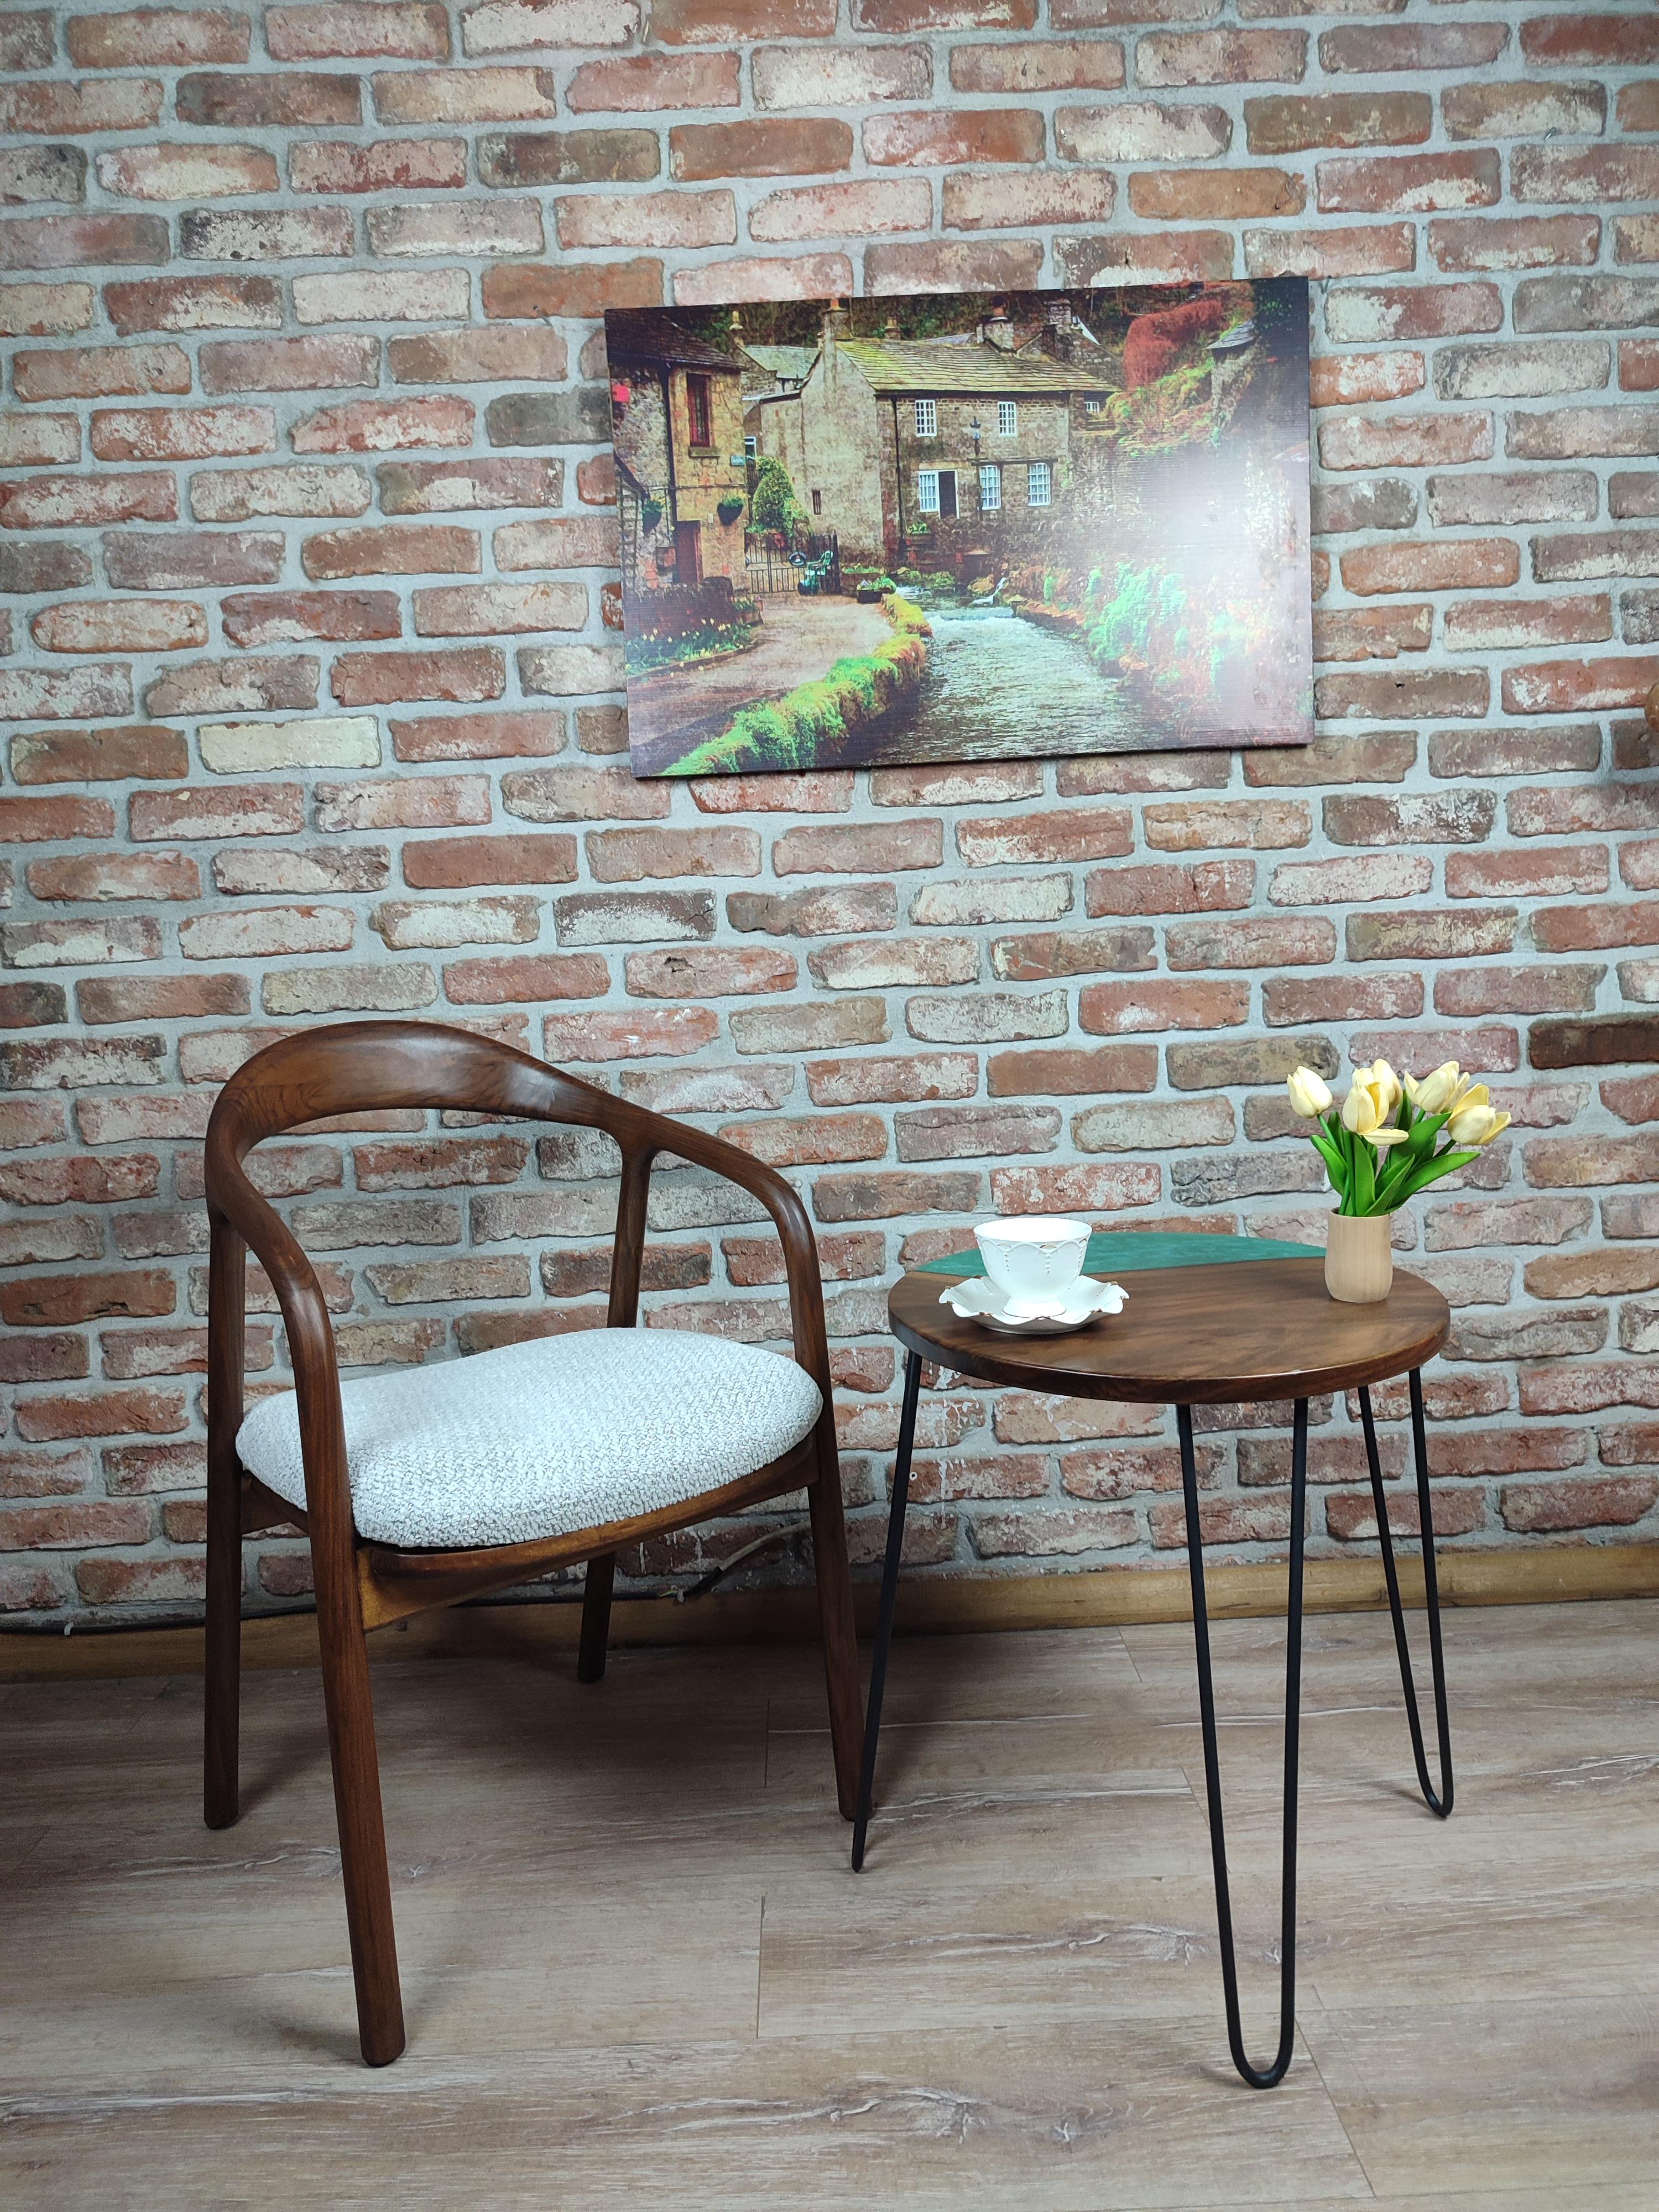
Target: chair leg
[(222, 1659), (596, 1617), (363, 1829), (837, 1628)]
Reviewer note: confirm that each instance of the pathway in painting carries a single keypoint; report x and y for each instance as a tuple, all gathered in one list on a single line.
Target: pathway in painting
[(677, 709)]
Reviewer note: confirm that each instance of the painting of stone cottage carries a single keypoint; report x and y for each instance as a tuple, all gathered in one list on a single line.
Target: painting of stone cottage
[(958, 527)]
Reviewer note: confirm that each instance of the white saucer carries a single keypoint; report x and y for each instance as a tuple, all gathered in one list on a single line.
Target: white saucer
[(977, 1298)]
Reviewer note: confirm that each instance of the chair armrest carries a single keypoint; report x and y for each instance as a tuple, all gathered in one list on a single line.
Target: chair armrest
[(789, 1216), (311, 1345)]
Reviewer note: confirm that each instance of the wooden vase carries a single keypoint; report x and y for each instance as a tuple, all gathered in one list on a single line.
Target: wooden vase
[(1359, 1258)]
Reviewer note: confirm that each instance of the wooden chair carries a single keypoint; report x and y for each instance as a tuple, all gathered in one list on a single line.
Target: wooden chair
[(323, 1441)]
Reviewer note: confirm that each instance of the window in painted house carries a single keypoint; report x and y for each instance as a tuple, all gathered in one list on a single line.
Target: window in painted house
[(1008, 417), (927, 418), (1039, 484), (990, 488), (699, 409), (927, 486)]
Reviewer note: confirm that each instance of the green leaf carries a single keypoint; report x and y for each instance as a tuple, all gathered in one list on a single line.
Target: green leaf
[(1365, 1176), (1336, 1166), (1445, 1164)]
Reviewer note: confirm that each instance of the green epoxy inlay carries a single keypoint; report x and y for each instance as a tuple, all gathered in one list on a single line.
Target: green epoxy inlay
[(1120, 1251)]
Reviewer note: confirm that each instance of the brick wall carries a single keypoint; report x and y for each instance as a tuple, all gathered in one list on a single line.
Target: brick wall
[(312, 671)]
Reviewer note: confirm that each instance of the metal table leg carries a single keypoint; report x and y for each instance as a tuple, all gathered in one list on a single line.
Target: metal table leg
[(1257, 2077), (890, 1573), (1442, 1802)]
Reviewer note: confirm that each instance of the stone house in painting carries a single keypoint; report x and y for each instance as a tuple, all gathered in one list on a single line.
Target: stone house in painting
[(936, 452), (676, 411)]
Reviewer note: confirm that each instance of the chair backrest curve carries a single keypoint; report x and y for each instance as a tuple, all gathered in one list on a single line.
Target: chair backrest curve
[(353, 1067)]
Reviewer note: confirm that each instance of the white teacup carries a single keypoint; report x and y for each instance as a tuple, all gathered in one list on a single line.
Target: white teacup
[(1033, 1259)]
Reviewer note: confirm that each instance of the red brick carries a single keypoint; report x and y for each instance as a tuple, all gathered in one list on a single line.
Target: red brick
[(393, 548), (1512, 242), (802, 277), (804, 146), (1613, 1501), (43, 1301), (1170, 887), (1114, 1009), (99, 755), (186, 560), (913, 1077), (91, 876), (1577, 41), (392, 165), (682, 219), (936, 137), (636, 855), (358, 29), (1403, 441), (1432, 565), (194, 303), (709, 972), (1524, 110), (1408, 183), (1291, 124), (1351, 380), (526, 979), (1210, 195), (1353, 249), (635, 1035), (1472, 625), (575, 289), (655, 83), (54, 110), (1167, 58), (280, 99), (1291, 1001), (528, 733), (157, 38), (1544, 871), (1142, 131), (1049, 64), (1191, 825), (1376, 314), (472, 672), (1560, 686), (1065, 1070), (49, 821), (1165, 256)]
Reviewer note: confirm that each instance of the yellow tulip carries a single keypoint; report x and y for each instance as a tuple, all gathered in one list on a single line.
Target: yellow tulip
[(1386, 1085), (1310, 1093), (1371, 1098), (1436, 1092), (1475, 1122)]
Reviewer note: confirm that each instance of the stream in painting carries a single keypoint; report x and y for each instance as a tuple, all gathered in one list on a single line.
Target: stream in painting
[(1000, 687)]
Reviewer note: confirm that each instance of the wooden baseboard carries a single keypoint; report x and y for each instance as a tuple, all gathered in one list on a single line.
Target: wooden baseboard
[(937, 1606)]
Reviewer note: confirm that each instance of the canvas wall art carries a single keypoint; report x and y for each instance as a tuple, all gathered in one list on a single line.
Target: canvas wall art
[(953, 527)]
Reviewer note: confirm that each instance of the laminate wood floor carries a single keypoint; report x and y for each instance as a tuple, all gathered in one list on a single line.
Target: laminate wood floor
[(638, 1973)]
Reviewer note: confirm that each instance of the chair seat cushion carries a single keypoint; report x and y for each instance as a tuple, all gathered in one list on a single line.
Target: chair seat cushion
[(548, 1438)]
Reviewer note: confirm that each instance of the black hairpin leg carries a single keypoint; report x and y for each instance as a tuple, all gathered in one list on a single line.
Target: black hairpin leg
[(1258, 2078), (1441, 1803), (890, 1573)]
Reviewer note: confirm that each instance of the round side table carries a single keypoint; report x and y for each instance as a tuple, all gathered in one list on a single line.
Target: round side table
[(1247, 1331)]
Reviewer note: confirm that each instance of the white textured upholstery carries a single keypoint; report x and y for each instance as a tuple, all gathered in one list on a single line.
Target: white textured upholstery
[(544, 1438)]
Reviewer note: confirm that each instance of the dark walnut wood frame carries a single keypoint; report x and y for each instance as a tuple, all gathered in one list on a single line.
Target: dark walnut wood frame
[(381, 1066)]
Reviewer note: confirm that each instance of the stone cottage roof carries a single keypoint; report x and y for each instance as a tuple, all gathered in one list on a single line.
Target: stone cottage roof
[(647, 334), (935, 365), (790, 361)]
